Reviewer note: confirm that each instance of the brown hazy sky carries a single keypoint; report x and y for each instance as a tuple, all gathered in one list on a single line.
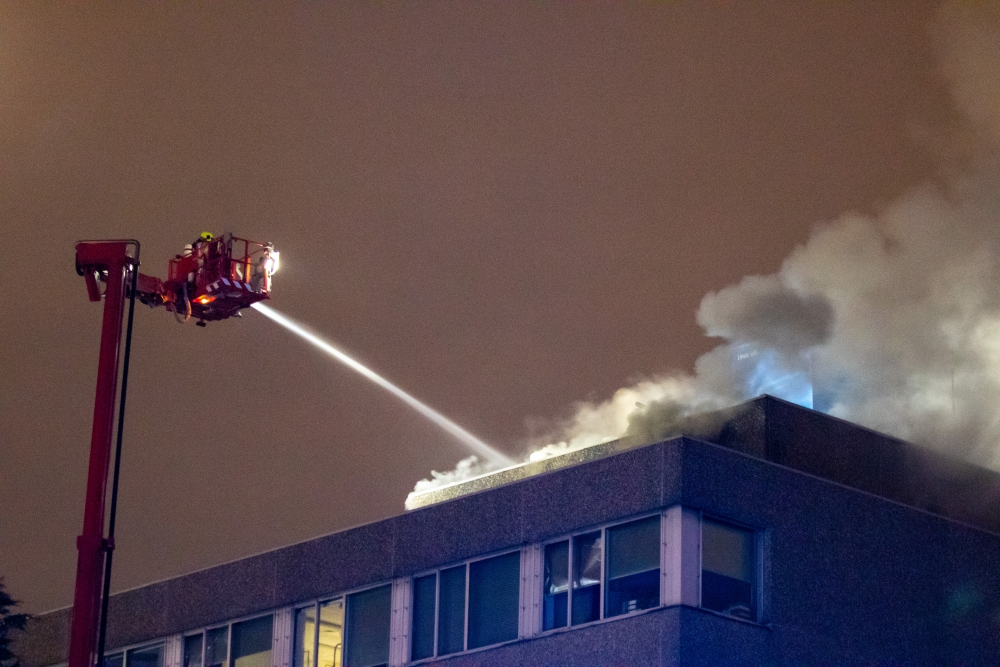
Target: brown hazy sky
[(504, 208)]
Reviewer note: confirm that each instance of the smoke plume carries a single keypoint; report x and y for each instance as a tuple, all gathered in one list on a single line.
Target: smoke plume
[(891, 321)]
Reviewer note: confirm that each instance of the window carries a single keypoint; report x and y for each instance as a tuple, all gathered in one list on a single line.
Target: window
[(358, 622), (555, 586), (193, 650), (330, 642), (217, 647), (150, 656), (305, 635), (728, 567), (424, 596), (250, 642), (368, 616), (586, 598), (144, 656), (467, 606), (619, 565), (494, 587), (633, 567), (451, 611)]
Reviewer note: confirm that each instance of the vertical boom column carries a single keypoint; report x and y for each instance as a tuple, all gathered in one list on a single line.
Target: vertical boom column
[(92, 259)]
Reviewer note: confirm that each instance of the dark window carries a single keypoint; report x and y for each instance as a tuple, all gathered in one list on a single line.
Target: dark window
[(451, 611), (424, 598), (586, 577), (728, 567), (633, 581), (368, 617), (192, 650), (114, 660), (217, 647), (252, 642), (305, 636), (494, 588), (555, 591), (150, 656)]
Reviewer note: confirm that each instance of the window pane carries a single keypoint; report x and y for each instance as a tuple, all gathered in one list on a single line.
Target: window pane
[(150, 656), (368, 615), (555, 598), (252, 642), (727, 550), (494, 604), (114, 660), (728, 564), (305, 637), (633, 566), (634, 547), (192, 650), (424, 594), (331, 633), (451, 611), (216, 647), (586, 577)]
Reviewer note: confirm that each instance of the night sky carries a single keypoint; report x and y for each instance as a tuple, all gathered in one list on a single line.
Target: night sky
[(503, 208)]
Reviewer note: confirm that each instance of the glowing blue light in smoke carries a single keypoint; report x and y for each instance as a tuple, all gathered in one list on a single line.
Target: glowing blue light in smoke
[(768, 372)]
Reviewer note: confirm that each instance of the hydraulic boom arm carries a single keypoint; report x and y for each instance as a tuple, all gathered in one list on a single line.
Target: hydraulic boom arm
[(212, 279)]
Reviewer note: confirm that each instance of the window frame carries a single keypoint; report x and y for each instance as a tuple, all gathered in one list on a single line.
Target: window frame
[(756, 584), (602, 615), (205, 629), (436, 571), (315, 604), (124, 650)]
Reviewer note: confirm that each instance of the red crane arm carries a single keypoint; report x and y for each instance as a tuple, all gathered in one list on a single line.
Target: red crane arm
[(98, 261), (212, 280)]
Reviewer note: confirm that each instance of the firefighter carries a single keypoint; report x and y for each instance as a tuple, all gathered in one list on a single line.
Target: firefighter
[(201, 250), (259, 273)]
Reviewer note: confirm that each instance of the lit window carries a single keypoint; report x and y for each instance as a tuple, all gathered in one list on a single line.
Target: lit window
[(305, 637), (488, 615), (330, 648), (622, 562), (359, 624), (728, 566)]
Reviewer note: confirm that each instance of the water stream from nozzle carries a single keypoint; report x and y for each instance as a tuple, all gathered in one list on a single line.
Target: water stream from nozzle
[(476, 445)]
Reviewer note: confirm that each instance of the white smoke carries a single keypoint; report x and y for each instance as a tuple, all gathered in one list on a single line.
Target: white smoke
[(895, 319), (891, 321), (467, 468)]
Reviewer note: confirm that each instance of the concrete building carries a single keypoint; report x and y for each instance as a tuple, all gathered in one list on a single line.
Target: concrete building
[(780, 536)]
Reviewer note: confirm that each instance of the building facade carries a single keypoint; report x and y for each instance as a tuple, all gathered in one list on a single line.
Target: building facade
[(780, 537)]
